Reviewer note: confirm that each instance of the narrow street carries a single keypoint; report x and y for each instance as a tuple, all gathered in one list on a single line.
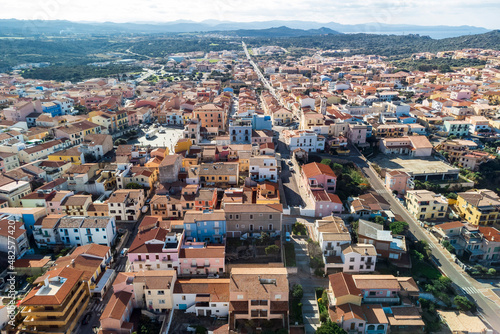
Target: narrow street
[(310, 312)]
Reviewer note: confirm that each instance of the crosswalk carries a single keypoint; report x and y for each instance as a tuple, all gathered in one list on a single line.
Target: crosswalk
[(382, 191), (431, 245), (470, 290), (97, 307), (121, 267)]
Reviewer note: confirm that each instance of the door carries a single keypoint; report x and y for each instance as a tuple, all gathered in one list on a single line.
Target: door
[(353, 326)]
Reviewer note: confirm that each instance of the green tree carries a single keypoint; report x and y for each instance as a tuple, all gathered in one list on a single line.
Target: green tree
[(327, 162), (398, 227), (379, 220), (297, 291), (463, 304), (492, 271), (272, 250), (329, 327), (133, 185), (120, 141)]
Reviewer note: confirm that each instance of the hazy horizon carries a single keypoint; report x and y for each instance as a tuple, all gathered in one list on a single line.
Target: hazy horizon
[(481, 13)]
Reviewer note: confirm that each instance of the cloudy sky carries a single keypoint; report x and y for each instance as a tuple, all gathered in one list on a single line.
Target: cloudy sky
[(482, 13)]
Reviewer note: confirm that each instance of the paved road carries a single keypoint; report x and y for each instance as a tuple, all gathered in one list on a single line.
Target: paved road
[(489, 310)]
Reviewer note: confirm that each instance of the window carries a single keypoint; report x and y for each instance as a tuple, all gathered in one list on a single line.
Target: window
[(351, 267), (183, 298), (161, 301), (351, 259), (161, 292), (277, 297), (240, 297)]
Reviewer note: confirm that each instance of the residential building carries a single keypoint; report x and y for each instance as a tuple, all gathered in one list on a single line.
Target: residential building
[(479, 207), (196, 258), (40, 151), (219, 174), (56, 303), (77, 231), (319, 176), (307, 140), (153, 289), (8, 161), (263, 168), (155, 249), (252, 218), (258, 294), (96, 145), (13, 190), (73, 154), (204, 297), (76, 205), (368, 205), (206, 226), (426, 205), (456, 128), (398, 182), (126, 204), (76, 132), (13, 237), (415, 146), (211, 115), (387, 245)]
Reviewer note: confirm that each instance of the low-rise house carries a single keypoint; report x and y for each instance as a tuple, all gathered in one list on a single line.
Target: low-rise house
[(263, 168), (368, 205), (126, 204), (258, 294), (76, 132), (479, 207), (8, 161), (73, 154), (387, 245), (40, 151), (415, 146), (204, 297), (358, 258), (460, 322), (252, 218), (426, 205), (76, 205), (13, 190), (198, 259), (398, 182), (206, 226), (115, 317), (219, 174), (96, 145), (307, 140), (153, 289), (316, 175), (325, 203), (78, 231), (155, 249), (169, 168)]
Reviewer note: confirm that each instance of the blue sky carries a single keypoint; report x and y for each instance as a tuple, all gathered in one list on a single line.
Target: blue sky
[(482, 13)]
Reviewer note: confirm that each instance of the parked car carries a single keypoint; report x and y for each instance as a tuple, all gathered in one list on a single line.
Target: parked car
[(287, 236), (124, 252), (86, 318)]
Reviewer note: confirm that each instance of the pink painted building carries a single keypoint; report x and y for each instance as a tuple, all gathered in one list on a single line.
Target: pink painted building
[(132, 118), (155, 249), (398, 181), (357, 133), (319, 176), (196, 258), (19, 111), (325, 204), (54, 204)]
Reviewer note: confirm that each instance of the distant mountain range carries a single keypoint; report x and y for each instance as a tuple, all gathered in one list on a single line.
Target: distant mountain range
[(13, 27)]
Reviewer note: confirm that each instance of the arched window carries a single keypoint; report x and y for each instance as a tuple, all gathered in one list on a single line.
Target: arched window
[(380, 327), (371, 327)]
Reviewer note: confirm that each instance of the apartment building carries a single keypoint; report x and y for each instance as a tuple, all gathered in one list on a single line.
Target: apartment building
[(252, 218), (479, 207), (207, 226), (263, 168), (76, 205), (76, 132), (258, 294), (56, 303), (307, 140), (13, 239), (426, 205), (126, 204), (398, 181), (78, 231), (211, 115)]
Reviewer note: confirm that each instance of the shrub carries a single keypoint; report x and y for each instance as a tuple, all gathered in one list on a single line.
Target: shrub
[(319, 272), (463, 303), (297, 291), (299, 229), (492, 271)]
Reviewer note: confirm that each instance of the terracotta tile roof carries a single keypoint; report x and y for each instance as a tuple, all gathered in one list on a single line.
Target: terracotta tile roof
[(249, 280), (139, 244), (314, 169), (376, 282), (117, 305), (155, 279), (450, 225), (217, 288), (39, 294), (343, 285), (209, 252)]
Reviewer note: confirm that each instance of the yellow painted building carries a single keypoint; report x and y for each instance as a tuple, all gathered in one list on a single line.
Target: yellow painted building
[(479, 207), (426, 205), (56, 303), (182, 145), (71, 154)]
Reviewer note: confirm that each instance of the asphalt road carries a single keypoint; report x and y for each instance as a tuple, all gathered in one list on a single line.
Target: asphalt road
[(487, 309)]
